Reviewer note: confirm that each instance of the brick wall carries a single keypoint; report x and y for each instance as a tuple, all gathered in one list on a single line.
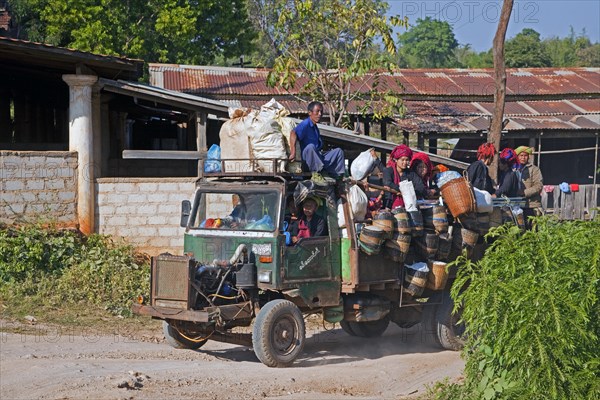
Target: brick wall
[(145, 211), (38, 186)]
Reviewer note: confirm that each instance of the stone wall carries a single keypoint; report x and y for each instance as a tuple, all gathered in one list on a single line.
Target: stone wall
[(144, 211), (38, 186)]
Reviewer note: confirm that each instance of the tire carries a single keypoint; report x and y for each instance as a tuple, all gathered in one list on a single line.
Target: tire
[(175, 339), (450, 333), (279, 334), (369, 329), (428, 321), (347, 328)]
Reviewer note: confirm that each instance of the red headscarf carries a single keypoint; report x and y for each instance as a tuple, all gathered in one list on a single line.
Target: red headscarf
[(425, 158), (401, 150), (486, 150)]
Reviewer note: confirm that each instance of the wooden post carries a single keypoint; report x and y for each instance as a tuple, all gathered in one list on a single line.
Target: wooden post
[(420, 141), (495, 132), (383, 130)]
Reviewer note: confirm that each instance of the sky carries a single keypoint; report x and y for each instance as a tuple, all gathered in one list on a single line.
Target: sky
[(475, 21)]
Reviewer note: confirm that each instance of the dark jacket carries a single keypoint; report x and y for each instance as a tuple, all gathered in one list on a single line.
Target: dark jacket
[(478, 175), (317, 226), (409, 175), (509, 184)]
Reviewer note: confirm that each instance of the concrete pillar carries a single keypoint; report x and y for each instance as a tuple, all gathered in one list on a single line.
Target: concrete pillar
[(81, 140)]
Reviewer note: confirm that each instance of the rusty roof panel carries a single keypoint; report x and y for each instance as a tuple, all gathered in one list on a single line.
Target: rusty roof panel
[(582, 121), (541, 122), (587, 105), (454, 108), (552, 107)]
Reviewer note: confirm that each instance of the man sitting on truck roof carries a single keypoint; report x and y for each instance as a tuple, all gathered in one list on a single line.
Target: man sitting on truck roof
[(314, 158)]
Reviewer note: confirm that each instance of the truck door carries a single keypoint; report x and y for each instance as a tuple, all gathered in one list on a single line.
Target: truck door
[(314, 259)]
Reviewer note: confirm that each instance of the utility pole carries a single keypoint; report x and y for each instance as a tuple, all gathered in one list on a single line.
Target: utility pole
[(495, 131)]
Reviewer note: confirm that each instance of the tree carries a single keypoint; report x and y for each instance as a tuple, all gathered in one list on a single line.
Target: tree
[(468, 58), (263, 16), (495, 132), (429, 44), (178, 31), (526, 50), (329, 49)]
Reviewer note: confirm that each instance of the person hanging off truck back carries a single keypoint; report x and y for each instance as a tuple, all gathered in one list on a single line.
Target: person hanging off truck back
[(508, 180), (398, 170), (422, 166), (314, 158), (478, 173)]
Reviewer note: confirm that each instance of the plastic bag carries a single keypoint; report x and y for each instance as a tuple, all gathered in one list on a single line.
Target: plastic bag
[(263, 224), (444, 177), (358, 202), (341, 217), (408, 195), (418, 266), (362, 165), (213, 159), (484, 201)]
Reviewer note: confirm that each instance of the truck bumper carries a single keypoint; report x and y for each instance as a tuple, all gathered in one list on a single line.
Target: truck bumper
[(170, 313)]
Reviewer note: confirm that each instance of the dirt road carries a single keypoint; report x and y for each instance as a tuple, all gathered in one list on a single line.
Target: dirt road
[(75, 363)]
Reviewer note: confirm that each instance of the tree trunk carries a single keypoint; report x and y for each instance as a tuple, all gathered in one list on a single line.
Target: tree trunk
[(495, 132)]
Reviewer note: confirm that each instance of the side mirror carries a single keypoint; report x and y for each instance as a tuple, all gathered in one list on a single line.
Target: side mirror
[(186, 209)]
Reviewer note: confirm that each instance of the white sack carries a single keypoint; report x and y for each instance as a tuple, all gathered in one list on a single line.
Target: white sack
[(358, 202), (484, 201), (408, 195), (362, 165)]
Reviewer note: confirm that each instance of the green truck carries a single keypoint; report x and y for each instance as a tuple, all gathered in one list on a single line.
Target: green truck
[(239, 269)]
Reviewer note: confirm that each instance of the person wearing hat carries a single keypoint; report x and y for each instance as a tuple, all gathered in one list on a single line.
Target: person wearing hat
[(422, 166), (398, 170), (478, 173), (508, 181), (309, 224), (532, 180)]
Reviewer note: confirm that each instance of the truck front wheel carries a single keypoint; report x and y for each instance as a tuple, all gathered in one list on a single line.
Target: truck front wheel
[(179, 340), (278, 334)]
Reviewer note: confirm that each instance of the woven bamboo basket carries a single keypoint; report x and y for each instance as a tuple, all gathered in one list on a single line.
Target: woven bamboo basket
[(458, 195), (437, 276)]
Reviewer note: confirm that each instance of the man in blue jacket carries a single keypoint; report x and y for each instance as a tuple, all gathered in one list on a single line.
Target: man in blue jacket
[(314, 158)]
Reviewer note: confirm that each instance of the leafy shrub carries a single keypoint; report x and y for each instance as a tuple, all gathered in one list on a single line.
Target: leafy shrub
[(62, 267), (532, 310)]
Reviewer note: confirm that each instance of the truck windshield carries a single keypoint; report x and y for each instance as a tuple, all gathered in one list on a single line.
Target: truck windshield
[(256, 211)]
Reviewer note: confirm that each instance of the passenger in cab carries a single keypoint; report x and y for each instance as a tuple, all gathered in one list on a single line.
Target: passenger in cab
[(309, 224)]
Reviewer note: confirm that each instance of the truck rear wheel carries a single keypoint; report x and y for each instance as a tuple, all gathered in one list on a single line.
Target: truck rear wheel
[(442, 324), (279, 334), (450, 332), (179, 340), (366, 329)]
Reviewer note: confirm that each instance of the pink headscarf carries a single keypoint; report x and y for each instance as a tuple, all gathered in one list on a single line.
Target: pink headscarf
[(401, 150)]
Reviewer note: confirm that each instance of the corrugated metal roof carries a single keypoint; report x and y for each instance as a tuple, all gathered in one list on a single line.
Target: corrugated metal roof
[(21, 54), (466, 110), (440, 82)]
